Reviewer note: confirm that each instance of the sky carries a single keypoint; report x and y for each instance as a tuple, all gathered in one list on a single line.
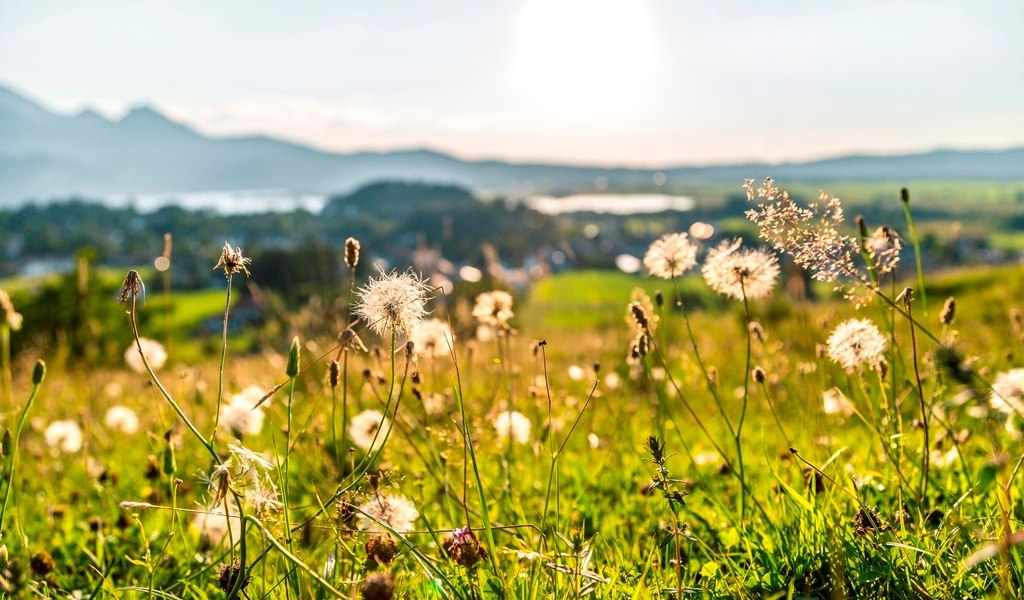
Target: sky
[(612, 82)]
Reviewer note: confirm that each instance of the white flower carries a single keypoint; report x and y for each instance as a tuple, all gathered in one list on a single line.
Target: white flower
[(432, 338), (393, 303), (364, 428), (122, 419), (241, 418), (154, 351), (738, 273), (65, 436), (593, 440), (494, 309), (576, 372), (857, 342), (670, 256), (1008, 392), (513, 425), (398, 512), (251, 394), (835, 403)]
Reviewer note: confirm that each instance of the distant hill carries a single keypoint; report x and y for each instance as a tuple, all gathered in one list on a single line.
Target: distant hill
[(45, 155)]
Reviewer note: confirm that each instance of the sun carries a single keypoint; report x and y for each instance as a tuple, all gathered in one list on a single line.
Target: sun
[(585, 58)]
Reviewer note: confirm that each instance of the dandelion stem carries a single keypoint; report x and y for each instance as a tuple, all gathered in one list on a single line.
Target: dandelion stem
[(223, 359)]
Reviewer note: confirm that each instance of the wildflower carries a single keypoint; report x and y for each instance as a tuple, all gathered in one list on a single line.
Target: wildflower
[(7, 312), (369, 429), (670, 255), (122, 419), (856, 342), (740, 274), (1007, 394), (463, 548), (835, 403), (64, 435), (239, 415), (351, 252), (883, 248), (156, 356), (513, 425), (381, 548), (397, 512), (494, 309), (232, 261), (378, 586), (393, 303), (810, 235), (432, 338)]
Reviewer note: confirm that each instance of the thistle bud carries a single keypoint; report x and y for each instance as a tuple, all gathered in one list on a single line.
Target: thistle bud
[(948, 311), (293, 359), (351, 252), (39, 372)]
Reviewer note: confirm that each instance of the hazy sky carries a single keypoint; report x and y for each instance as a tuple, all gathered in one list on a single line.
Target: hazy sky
[(609, 81)]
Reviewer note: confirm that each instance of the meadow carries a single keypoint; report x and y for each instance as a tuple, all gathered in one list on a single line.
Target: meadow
[(726, 426)]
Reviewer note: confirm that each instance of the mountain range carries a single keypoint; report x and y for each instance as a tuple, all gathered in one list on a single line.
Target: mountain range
[(45, 155)]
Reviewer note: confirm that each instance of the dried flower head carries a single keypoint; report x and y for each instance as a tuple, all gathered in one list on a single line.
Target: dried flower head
[(738, 273), (432, 338), (670, 256), (121, 419), (154, 351), (512, 425), (381, 548), (7, 313), (351, 252), (64, 435), (856, 343), (378, 586), (369, 429), (464, 548), (399, 513), (229, 574), (232, 261), (1007, 394), (494, 309), (393, 302)]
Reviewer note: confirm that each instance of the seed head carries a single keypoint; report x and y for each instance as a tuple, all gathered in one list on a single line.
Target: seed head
[(670, 256), (292, 369), (855, 343), (740, 274), (398, 512), (351, 252), (759, 375), (131, 288), (333, 373), (494, 309), (393, 302), (948, 311), (379, 586), (464, 549), (232, 261), (381, 549)]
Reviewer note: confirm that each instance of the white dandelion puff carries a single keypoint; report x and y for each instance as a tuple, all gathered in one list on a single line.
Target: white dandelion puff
[(512, 425), (240, 417), (835, 403), (393, 303), (398, 512), (432, 338), (366, 426), (494, 309), (1007, 394), (670, 256), (155, 355), (857, 342), (740, 273), (121, 419), (64, 435)]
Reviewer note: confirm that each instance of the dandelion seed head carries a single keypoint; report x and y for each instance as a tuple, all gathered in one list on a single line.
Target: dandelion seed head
[(239, 416), (364, 427), (494, 309), (432, 338), (670, 256), (155, 355), (215, 523), (835, 403), (1007, 394), (232, 261), (393, 303), (512, 425), (64, 435), (740, 273), (856, 343), (121, 419), (398, 512)]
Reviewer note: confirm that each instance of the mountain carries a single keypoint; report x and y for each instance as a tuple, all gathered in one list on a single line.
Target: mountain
[(45, 155)]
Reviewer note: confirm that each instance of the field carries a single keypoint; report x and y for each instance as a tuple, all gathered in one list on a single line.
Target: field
[(604, 435)]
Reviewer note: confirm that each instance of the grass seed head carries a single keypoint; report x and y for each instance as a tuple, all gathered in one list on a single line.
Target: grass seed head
[(351, 252), (948, 311)]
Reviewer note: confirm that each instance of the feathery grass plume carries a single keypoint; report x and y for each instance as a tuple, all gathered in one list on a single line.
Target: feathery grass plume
[(232, 261), (378, 586), (12, 317), (494, 309), (948, 311), (364, 428), (393, 302), (738, 273), (64, 435), (855, 343), (351, 252), (512, 425), (1007, 394), (154, 351), (432, 338), (121, 419), (670, 256), (809, 235), (239, 416), (398, 512)]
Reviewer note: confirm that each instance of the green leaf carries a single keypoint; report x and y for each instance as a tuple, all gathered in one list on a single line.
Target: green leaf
[(986, 478)]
